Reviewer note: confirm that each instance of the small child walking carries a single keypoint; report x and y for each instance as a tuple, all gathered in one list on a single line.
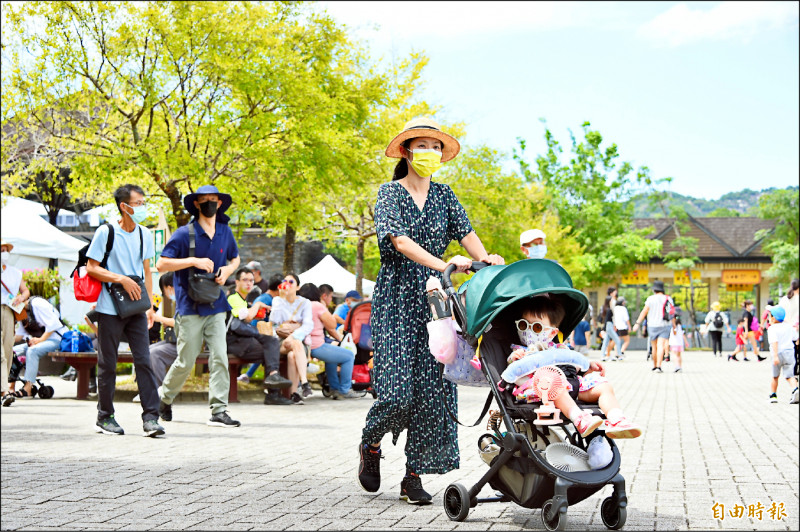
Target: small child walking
[(741, 338), (781, 345), (677, 342)]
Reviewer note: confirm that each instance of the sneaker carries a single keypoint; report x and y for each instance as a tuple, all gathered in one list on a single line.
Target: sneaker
[(586, 423), (70, 375), (622, 428), (136, 399), (297, 399), (677, 370), (746, 359), (795, 397), (760, 358), (108, 425), (411, 490), (666, 358), (274, 398), (93, 387), (659, 369), (165, 411), (222, 419), (276, 381), (622, 356), (773, 398), (614, 358), (152, 428), (335, 394), (8, 398), (369, 467), (307, 392), (732, 357), (243, 378), (599, 451)]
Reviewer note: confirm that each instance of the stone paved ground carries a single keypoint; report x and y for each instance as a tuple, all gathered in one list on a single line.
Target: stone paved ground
[(710, 436)]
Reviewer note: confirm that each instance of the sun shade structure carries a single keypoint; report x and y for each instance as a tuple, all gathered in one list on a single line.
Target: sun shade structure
[(492, 289)]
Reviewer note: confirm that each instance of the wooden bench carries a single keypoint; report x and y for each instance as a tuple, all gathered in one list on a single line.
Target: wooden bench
[(83, 363)]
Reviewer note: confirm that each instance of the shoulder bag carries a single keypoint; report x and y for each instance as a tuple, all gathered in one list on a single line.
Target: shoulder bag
[(203, 287), (123, 304), (289, 326)]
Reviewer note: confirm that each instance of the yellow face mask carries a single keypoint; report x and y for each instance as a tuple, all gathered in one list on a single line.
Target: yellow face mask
[(426, 162)]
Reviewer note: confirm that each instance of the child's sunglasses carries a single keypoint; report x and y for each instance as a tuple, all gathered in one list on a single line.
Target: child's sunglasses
[(535, 326)]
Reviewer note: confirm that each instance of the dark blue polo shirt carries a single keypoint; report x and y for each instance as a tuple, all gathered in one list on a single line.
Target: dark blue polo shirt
[(220, 249)]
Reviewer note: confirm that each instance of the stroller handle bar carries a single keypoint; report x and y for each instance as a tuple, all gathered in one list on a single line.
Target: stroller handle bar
[(447, 284)]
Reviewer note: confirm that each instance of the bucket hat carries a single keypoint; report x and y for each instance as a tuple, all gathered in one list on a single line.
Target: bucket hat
[(5, 242), (658, 285), (424, 127), (227, 201)]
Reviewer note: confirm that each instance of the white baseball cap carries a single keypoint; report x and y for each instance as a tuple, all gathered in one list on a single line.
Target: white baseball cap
[(530, 235)]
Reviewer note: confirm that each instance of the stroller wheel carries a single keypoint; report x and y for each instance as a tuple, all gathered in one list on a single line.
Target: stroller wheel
[(46, 392), (612, 515), (558, 522), (456, 502), (34, 390), (326, 390)]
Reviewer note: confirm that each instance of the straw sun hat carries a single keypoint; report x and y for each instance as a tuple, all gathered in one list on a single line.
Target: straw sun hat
[(424, 127)]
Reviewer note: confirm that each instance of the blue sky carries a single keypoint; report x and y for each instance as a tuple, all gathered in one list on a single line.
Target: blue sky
[(704, 92)]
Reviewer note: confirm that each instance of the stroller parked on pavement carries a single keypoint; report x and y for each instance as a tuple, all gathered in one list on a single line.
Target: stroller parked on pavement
[(357, 325), (18, 369), (523, 458)]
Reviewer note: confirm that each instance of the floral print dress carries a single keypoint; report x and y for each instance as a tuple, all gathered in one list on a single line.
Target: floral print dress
[(406, 376)]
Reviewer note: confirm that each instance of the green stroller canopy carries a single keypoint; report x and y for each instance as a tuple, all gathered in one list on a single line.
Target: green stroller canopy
[(493, 288)]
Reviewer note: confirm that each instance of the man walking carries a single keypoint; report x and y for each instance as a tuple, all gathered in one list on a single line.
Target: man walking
[(132, 249), (658, 327), (214, 246)]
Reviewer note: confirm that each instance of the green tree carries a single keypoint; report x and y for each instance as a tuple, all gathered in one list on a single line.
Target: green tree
[(724, 212), (264, 99), (590, 197), (781, 243)]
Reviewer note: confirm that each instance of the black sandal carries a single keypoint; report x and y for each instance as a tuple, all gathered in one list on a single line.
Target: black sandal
[(19, 393)]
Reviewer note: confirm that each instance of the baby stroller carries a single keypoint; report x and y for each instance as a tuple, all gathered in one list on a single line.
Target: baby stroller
[(357, 324), (521, 467), (18, 368)]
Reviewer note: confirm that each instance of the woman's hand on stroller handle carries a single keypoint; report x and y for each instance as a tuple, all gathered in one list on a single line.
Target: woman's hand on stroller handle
[(456, 264)]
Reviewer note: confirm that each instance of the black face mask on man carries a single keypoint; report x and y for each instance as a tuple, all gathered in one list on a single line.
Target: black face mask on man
[(208, 208)]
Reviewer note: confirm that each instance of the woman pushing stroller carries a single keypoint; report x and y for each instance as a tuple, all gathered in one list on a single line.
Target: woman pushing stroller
[(415, 219)]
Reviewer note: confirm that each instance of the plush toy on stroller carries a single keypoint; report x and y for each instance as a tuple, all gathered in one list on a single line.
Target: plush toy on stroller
[(539, 460)]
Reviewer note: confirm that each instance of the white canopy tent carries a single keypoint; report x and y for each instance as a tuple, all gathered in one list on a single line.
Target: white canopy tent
[(36, 242), (328, 271)]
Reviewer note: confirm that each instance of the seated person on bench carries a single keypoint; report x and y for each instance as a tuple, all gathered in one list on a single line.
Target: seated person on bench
[(536, 328)]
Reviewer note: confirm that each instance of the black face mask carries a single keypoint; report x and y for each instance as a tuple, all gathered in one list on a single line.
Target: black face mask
[(208, 208)]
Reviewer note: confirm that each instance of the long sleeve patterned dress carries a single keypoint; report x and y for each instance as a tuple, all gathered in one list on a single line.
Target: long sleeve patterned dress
[(406, 376)]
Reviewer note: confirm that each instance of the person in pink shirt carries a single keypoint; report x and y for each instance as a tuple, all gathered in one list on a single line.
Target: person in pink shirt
[(338, 360)]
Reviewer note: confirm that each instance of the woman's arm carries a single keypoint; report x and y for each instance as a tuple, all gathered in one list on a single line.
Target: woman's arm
[(417, 253), (475, 248), (330, 325)]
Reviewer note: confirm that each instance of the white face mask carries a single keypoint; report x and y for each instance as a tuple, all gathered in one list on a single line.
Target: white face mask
[(536, 252), (4, 257), (528, 337)]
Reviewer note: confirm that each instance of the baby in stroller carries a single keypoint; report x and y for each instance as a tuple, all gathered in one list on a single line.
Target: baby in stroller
[(537, 327)]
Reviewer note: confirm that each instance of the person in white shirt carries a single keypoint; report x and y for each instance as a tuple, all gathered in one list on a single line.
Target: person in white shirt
[(782, 337), (14, 292), (658, 328), (42, 330), (791, 304), (622, 321)]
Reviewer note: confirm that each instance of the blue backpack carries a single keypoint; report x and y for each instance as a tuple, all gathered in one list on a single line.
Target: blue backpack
[(84, 342)]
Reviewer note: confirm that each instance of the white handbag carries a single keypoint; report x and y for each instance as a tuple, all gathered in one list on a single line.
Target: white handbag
[(347, 343)]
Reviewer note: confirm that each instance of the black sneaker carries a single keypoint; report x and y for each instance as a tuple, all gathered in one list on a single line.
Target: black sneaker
[(411, 491), (275, 398), (276, 381), (307, 392), (369, 467), (297, 399), (222, 419), (93, 387), (108, 425), (152, 429), (165, 411)]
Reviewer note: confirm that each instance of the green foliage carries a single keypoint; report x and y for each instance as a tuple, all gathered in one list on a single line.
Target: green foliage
[(782, 242), (42, 282), (742, 202), (590, 197), (266, 100), (724, 212)]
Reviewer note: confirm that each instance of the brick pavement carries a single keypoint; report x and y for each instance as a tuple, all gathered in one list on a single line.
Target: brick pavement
[(710, 436)]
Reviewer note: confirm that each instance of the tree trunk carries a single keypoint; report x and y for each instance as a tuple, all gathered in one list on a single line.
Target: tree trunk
[(288, 249), (692, 316), (360, 264)]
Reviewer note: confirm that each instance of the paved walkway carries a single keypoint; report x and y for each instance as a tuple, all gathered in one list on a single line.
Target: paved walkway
[(710, 436)]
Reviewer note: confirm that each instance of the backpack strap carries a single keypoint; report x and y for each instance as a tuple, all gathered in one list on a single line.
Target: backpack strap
[(109, 246), (192, 240)]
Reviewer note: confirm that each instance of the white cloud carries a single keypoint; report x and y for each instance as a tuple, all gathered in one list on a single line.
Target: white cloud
[(681, 24)]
